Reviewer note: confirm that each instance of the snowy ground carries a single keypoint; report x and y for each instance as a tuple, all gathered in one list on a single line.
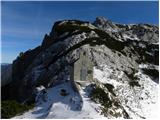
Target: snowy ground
[(139, 102), (63, 107)]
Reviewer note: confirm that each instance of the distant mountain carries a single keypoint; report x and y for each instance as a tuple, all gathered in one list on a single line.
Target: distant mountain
[(5, 63), (89, 70)]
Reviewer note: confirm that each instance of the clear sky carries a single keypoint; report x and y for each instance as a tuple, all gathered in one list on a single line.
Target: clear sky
[(24, 24)]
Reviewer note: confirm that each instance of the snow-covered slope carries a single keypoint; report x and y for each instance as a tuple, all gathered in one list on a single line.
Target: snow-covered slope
[(124, 32), (125, 61), (73, 105), (139, 101)]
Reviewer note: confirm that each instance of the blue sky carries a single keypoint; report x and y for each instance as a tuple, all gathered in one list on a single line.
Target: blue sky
[(24, 24)]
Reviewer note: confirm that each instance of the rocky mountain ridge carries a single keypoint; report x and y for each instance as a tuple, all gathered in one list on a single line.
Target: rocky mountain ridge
[(125, 58)]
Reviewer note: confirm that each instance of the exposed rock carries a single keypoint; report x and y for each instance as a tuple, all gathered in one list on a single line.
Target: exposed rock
[(6, 72), (113, 50)]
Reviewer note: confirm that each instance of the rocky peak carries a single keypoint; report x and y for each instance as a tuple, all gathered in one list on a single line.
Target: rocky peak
[(115, 51), (105, 24), (101, 20), (124, 32)]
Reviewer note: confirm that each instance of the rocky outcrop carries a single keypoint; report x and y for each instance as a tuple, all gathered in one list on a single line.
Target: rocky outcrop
[(138, 32), (121, 47), (6, 72), (19, 67)]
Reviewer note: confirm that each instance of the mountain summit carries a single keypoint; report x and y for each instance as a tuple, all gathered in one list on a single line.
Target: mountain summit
[(89, 70)]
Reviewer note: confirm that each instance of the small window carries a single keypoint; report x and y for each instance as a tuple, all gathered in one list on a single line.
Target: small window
[(84, 53)]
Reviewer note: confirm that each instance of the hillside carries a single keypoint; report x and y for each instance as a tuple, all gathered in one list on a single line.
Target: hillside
[(89, 70)]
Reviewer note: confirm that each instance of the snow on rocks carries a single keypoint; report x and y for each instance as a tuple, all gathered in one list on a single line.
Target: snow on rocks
[(108, 75), (41, 94), (112, 67), (70, 106), (151, 66), (139, 102), (130, 37)]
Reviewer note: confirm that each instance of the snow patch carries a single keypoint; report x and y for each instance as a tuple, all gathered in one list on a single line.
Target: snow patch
[(139, 102), (73, 105), (125, 36)]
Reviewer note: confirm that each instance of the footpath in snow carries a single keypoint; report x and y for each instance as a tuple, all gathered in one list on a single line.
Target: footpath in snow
[(70, 106)]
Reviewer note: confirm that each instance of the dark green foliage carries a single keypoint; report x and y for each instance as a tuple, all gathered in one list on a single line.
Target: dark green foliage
[(134, 83), (133, 80), (156, 57), (78, 22), (89, 71), (10, 108), (86, 41), (69, 27), (31, 100), (99, 95), (102, 33), (116, 104), (91, 41), (110, 88), (109, 41), (103, 39)]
